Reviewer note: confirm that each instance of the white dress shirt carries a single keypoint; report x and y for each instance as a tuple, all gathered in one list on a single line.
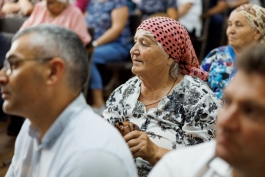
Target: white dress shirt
[(194, 161)]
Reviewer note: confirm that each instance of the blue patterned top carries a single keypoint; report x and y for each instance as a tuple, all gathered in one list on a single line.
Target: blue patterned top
[(220, 64), (99, 17), (149, 7)]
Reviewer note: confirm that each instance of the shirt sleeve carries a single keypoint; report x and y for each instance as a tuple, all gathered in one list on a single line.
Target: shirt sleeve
[(97, 163), (113, 113), (121, 3), (171, 4)]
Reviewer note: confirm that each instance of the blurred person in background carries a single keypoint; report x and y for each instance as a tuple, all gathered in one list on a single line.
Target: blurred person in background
[(19, 8), (59, 12), (109, 18), (216, 15), (245, 27), (189, 12)]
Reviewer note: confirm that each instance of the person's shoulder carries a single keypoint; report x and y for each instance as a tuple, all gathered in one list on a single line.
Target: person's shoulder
[(194, 81), (90, 130), (218, 50), (40, 4), (185, 162), (131, 82), (206, 149), (74, 11), (199, 85)]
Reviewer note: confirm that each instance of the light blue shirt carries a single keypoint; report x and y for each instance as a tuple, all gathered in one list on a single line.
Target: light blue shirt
[(79, 143)]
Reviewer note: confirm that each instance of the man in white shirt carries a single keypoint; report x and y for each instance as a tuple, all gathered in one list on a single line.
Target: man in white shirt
[(43, 76), (240, 140)]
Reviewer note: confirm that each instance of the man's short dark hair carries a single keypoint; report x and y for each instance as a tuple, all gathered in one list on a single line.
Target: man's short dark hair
[(252, 60), (56, 41)]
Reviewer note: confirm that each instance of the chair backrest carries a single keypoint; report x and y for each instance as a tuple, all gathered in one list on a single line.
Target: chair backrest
[(90, 50), (205, 30), (205, 21), (11, 25)]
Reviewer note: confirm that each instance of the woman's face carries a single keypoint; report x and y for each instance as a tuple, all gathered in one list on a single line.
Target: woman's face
[(239, 31), (148, 58), (55, 7)]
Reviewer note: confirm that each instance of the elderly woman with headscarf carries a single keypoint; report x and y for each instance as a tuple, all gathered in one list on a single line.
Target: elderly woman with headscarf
[(246, 25), (59, 12), (167, 99)]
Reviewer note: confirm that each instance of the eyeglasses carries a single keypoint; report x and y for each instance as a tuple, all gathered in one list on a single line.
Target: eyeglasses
[(9, 65)]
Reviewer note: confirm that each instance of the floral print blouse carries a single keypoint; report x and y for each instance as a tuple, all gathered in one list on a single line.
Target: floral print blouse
[(220, 64), (184, 118), (99, 18)]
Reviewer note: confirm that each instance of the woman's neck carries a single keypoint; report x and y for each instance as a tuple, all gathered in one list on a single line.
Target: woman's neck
[(153, 84)]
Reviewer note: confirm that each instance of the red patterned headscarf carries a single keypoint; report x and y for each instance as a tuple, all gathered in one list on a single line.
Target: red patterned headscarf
[(175, 40)]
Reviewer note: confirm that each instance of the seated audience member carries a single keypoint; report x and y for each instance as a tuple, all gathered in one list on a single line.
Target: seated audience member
[(189, 12), (167, 8), (59, 12), (109, 18), (238, 150), (216, 15), (245, 26), (19, 7), (44, 73), (167, 99)]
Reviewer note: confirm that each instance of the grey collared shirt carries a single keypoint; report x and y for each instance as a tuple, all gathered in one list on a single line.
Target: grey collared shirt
[(79, 143)]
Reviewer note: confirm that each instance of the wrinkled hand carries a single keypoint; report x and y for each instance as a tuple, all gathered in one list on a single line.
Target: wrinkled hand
[(141, 146)]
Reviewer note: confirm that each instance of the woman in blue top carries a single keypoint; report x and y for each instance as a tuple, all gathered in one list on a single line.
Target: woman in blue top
[(245, 27), (109, 18)]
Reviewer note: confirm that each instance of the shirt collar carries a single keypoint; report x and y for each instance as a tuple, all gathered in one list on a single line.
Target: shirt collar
[(220, 167), (61, 122)]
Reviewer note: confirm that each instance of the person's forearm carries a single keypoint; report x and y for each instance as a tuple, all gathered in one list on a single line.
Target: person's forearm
[(10, 8), (160, 152), (183, 9), (172, 13), (237, 3), (26, 7), (109, 36)]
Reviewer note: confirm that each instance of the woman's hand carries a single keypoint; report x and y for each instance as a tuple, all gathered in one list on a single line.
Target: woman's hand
[(141, 146)]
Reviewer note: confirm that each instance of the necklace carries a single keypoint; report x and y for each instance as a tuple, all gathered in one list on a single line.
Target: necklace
[(163, 97)]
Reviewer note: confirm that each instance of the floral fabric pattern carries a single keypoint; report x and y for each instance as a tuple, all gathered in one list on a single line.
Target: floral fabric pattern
[(220, 65), (99, 17), (184, 118)]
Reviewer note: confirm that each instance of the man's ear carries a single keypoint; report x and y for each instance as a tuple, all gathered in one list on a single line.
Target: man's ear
[(56, 68)]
